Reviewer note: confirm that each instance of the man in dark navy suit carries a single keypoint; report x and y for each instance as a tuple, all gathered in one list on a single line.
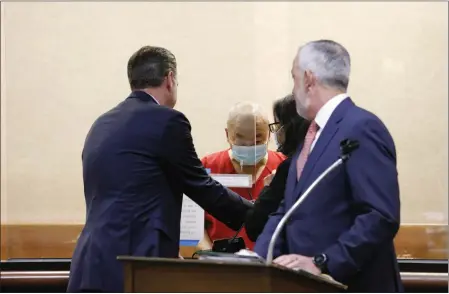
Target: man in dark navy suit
[(345, 228), (138, 160)]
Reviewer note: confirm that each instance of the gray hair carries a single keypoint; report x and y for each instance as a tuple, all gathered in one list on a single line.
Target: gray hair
[(244, 110), (328, 61)]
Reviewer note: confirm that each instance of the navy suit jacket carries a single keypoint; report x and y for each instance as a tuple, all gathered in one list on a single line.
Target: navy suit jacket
[(138, 160), (353, 215)]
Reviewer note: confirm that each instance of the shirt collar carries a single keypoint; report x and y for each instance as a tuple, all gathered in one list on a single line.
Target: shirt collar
[(143, 96), (326, 111), (154, 99)]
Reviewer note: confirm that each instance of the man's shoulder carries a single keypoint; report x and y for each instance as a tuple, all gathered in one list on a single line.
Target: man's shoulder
[(360, 117), (362, 123), (156, 109), (141, 118), (151, 114)]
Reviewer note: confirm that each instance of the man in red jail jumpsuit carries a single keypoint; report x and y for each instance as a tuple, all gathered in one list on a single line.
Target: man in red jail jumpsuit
[(247, 134)]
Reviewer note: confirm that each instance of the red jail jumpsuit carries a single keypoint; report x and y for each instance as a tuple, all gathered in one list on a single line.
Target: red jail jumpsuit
[(220, 163)]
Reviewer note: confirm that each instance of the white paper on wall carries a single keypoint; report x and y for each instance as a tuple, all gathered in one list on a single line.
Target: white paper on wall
[(192, 222)]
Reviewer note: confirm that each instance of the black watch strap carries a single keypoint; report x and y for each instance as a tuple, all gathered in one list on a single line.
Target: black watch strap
[(320, 262)]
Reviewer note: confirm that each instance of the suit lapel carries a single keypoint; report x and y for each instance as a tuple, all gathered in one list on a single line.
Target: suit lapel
[(329, 131)]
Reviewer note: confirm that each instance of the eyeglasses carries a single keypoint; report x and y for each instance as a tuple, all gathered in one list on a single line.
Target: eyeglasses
[(274, 127)]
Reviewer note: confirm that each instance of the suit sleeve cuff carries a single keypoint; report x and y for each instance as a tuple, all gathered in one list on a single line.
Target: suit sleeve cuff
[(338, 264)]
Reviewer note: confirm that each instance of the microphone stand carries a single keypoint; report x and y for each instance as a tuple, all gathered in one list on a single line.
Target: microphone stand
[(346, 147)]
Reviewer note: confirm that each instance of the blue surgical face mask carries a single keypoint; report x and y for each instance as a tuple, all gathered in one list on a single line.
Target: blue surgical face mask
[(249, 155)]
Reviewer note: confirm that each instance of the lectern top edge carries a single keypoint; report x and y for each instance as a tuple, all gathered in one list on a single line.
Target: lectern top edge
[(188, 261), (293, 274)]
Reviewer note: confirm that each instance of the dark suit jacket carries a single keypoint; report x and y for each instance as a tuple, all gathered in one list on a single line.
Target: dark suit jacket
[(267, 202), (138, 160), (354, 214)]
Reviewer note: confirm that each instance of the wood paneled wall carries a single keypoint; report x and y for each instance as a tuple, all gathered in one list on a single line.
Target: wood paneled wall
[(58, 241)]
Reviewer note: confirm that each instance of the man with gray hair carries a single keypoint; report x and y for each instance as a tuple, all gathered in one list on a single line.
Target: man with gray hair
[(346, 228)]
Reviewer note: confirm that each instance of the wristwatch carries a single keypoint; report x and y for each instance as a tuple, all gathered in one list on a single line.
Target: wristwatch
[(320, 262)]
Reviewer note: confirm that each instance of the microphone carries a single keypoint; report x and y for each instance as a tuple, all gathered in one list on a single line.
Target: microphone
[(230, 245), (233, 245), (346, 147)]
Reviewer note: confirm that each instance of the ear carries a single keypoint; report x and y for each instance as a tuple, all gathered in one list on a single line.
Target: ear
[(309, 80), (171, 80), (227, 137)]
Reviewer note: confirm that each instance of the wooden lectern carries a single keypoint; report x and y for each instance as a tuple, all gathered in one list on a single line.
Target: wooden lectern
[(175, 275)]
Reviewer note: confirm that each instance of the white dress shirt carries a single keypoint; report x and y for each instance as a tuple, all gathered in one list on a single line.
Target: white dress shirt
[(325, 113)]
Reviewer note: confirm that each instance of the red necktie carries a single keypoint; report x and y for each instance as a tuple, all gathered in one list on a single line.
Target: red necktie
[(310, 136)]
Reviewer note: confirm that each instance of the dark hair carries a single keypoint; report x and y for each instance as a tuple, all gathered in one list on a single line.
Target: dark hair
[(149, 66), (294, 126)]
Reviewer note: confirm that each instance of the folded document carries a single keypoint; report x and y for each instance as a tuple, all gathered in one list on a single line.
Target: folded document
[(241, 257)]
